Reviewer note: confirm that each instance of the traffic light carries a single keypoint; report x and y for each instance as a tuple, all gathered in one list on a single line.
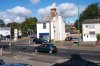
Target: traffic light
[(12, 33)]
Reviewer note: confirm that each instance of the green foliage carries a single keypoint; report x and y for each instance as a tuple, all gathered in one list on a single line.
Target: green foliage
[(91, 12), (98, 36), (2, 24), (29, 23), (14, 25)]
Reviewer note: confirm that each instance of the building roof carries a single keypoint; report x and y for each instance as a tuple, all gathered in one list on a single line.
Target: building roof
[(45, 19), (71, 32), (91, 21), (53, 9)]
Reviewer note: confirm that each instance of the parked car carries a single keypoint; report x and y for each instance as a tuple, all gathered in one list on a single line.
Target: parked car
[(69, 38), (1, 62), (75, 40), (39, 41), (16, 64), (51, 48)]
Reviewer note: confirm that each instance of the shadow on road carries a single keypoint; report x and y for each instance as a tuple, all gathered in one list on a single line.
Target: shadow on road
[(76, 60)]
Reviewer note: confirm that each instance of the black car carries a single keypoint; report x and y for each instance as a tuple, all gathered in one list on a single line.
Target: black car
[(51, 48), (39, 41), (75, 40), (1, 62)]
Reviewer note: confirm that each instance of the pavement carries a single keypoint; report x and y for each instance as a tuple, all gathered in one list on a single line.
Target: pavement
[(80, 48)]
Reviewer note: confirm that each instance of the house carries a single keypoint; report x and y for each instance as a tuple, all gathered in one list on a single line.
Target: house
[(90, 28), (5, 31), (71, 30), (51, 27)]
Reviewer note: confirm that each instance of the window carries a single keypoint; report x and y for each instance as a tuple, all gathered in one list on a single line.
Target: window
[(53, 26), (84, 35), (44, 25), (91, 26), (92, 33), (86, 26)]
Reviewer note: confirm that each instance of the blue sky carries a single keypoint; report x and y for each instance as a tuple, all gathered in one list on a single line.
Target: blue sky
[(17, 10)]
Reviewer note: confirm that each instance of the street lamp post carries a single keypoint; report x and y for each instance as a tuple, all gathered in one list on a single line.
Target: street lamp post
[(1, 49), (78, 29)]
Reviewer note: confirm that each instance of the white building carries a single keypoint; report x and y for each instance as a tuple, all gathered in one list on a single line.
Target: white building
[(5, 31), (57, 27), (90, 28)]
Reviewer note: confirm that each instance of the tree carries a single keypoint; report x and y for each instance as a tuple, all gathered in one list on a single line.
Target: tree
[(14, 25), (2, 24), (29, 23), (91, 12)]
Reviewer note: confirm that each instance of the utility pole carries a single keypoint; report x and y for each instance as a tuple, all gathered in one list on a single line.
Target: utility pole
[(78, 28), (10, 40), (1, 49)]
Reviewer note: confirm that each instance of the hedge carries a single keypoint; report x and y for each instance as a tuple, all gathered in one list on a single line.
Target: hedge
[(98, 36)]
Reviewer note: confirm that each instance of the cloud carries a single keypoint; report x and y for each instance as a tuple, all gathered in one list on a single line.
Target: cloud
[(18, 10), (46, 10), (16, 14), (35, 1), (66, 9)]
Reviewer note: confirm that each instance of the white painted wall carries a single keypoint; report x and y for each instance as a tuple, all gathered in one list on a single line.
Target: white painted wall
[(59, 28), (97, 28), (88, 37), (41, 30)]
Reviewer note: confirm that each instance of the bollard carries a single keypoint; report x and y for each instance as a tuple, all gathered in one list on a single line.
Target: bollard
[(1, 51), (10, 47)]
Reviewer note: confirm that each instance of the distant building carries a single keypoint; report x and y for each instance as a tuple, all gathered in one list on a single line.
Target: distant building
[(90, 28), (71, 30), (5, 31), (57, 27)]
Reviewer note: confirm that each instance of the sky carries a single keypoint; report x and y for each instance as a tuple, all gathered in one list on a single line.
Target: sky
[(18, 10)]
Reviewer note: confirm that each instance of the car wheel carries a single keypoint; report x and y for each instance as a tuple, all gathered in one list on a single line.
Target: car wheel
[(36, 51), (50, 51)]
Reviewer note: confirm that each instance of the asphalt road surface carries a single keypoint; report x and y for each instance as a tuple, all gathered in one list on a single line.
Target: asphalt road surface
[(27, 50)]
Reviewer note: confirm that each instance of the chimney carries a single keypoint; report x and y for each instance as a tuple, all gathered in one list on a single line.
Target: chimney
[(53, 12)]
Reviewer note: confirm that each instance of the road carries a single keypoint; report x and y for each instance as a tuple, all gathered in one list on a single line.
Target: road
[(21, 48)]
